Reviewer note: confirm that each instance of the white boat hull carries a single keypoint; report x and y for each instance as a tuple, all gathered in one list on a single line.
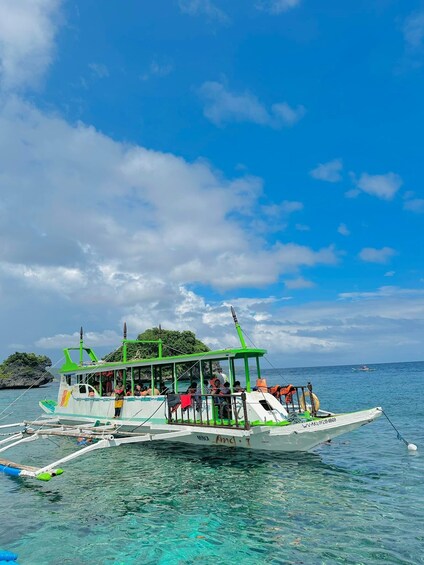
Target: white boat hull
[(301, 436)]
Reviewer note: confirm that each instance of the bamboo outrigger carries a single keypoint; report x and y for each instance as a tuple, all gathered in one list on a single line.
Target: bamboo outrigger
[(250, 419)]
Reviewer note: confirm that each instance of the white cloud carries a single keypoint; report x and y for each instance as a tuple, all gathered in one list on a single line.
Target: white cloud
[(203, 7), (343, 230), (286, 114), (390, 273), (329, 172), (27, 33), (382, 186), (276, 7), (413, 30), (372, 255), (132, 230), (382, 292), (298, 283), (414, 205), (223, 106), (352, 193), (99, 70), (107, 338), (157, 69), (283, 209), (302, 227)]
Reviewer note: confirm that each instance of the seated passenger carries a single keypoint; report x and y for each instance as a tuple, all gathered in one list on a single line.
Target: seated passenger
[(237, 387), (215, 386), (192, 389), (137, 390), (226, 389), (150, 392)]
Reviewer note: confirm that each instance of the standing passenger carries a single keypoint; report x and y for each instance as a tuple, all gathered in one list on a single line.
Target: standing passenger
[(119, 399)]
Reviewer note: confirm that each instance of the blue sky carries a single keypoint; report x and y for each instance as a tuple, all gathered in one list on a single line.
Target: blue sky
[(161, 161)]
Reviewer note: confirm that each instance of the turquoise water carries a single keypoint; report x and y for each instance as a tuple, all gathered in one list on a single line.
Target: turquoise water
[(358, 500)]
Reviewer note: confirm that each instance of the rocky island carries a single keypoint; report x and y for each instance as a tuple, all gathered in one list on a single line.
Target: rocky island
[(23, 370)]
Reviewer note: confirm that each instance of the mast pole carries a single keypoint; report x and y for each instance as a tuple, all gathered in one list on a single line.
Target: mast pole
[(243, 345), (124, 344), (124, 355), (81, 347), (238, 328)]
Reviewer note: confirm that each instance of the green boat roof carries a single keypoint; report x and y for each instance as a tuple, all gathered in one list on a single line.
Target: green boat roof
[(99, 366)]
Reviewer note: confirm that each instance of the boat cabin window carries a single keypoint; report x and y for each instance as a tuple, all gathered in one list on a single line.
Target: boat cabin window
[(83, 389), (266, 405)]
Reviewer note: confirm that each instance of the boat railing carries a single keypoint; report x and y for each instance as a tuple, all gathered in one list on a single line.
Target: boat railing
[(212, 410), (298, 398)]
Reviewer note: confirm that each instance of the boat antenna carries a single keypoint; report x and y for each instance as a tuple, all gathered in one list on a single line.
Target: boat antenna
[(81, 345), (238, 328)]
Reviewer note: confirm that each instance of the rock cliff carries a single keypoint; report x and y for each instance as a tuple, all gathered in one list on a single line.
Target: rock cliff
[(23, 370)]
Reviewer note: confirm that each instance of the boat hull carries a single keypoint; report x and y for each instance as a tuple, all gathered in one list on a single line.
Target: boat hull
[(296, 437)]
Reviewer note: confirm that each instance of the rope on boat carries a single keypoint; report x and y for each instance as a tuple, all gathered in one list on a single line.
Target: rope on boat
[(410, 446)]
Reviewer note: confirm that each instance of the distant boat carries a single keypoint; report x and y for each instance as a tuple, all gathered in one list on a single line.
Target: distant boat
[(363, 368)]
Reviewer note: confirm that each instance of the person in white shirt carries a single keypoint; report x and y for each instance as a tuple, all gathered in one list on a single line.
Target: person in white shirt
[(221, 376)]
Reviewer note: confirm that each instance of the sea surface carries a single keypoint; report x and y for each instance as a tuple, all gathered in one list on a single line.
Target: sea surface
[(357, 500)]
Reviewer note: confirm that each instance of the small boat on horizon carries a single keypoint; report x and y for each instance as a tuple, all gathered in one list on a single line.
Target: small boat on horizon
[(102, 404), (363, 368)]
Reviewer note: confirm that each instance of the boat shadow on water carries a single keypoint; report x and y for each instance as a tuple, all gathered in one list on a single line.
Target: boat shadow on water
[(216, 457)]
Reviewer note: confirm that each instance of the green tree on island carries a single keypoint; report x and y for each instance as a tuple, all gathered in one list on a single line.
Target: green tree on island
[(173, 343)]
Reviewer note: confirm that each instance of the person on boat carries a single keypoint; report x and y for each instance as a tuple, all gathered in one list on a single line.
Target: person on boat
[(238, 387), (137, 390), (226, 389), (220, 375), (215, 386), (192, 389), (119, 399), (108, 387), (226, 400), (150, 392)]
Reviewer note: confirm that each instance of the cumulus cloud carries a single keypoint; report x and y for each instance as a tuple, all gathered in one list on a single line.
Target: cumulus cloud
[(27, 33), (203, 7), (414, 205), (298, 283), (413, 30), (99, 70), (283, 209), (222, 106), (329, 172), (276, 7), (383, 186), (130, 224), (286, 115), (157, 69), (372, 255), (343, 230)]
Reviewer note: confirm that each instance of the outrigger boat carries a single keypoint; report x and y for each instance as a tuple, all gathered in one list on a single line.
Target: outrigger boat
[(280, 419)]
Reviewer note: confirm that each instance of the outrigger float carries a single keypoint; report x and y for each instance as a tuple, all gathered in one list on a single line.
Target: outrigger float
[(280, 419)]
